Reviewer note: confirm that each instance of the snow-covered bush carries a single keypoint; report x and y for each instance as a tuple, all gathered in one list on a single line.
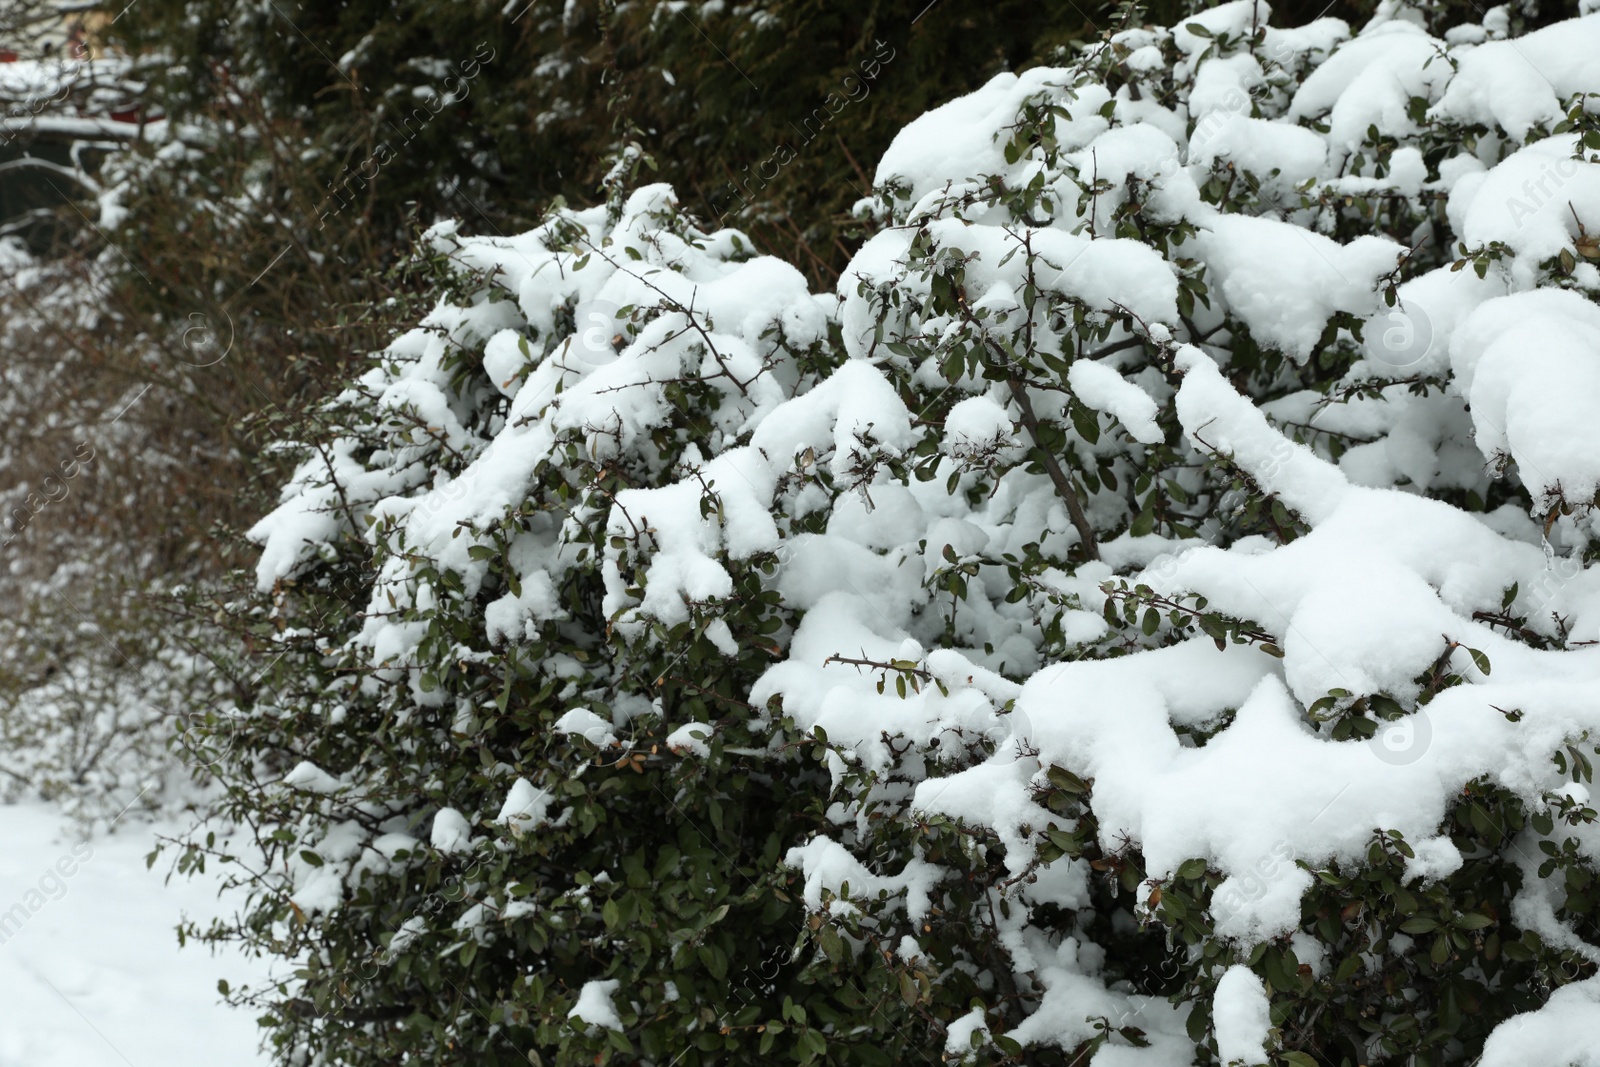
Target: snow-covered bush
[(1144, 617), (94, 673)]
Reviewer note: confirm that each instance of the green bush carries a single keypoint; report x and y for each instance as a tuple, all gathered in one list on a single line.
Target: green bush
[(1140, 618)]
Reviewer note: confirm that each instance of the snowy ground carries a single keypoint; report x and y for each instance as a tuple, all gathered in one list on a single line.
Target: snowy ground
[(94, 977)]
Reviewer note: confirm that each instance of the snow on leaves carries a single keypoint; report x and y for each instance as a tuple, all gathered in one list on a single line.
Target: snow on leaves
[(972, 508)]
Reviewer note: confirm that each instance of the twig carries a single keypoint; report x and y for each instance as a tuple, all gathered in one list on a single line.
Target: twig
[(875, 665), (1019, 392), (1058, 477), (865, 181)]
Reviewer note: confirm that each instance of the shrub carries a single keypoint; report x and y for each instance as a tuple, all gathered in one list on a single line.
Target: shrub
[(1141, 618), (426, 109)]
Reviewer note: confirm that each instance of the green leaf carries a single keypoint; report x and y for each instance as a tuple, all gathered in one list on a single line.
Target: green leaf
[(1479, 660), (1198, 30), (814, 1042), (832, 946), (1065, 780), (1086, 422)]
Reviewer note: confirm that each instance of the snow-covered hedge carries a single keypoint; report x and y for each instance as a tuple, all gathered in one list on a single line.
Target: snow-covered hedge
[(1144, 617)]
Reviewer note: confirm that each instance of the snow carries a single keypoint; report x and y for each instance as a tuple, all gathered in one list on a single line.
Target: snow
[(451, 831), (1242, 1016), (310, 778), (1390, 53), (594, 1005), (1103, 389), (1414, 335), (978, 425), (1259, 147), (1533, 202), (525, 807), (1547, 1036), (691, 738), (959, 1037), (587, 725), (953, 142), (1524, 83), (1529, 365), (1435, 858), (1286, 282), (94, 977)]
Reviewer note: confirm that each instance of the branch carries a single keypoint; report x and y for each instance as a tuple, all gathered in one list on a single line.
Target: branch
[(44, 164), (305, 1009), (1019, 392), (1058, 477), (672, 304), (877, 666)]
